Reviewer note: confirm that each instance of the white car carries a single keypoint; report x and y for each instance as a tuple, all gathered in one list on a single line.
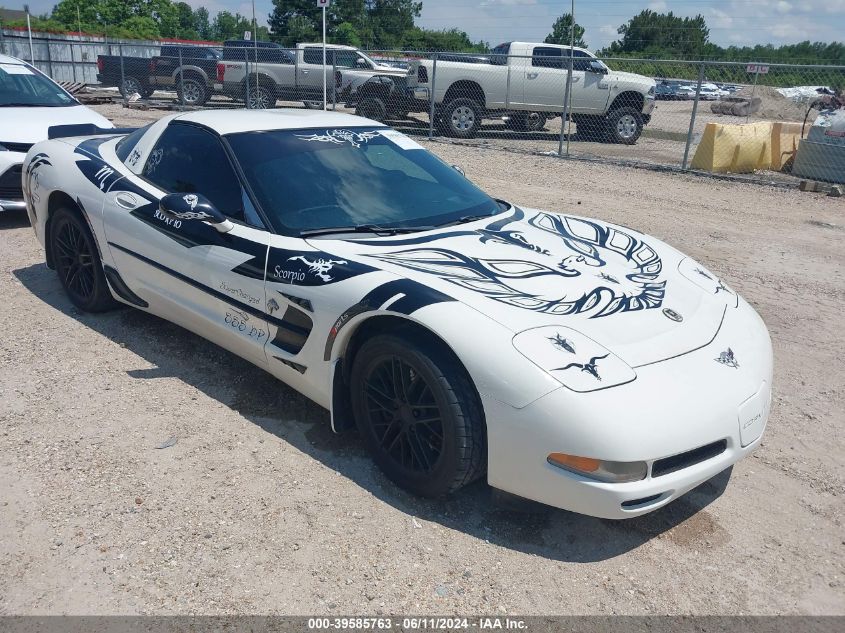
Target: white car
[(30, 102), (711, 92), (574, 362)]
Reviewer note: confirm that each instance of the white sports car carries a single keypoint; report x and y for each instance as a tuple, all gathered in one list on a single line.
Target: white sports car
[(576, 363)]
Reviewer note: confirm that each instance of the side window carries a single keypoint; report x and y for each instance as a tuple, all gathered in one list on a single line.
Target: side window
[(125, 145), (278, 57), (344, 59), (188, 159), (314, 55), (581, 60), (546, 57)]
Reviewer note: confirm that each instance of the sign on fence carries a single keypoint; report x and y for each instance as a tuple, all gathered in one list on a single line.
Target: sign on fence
[(324, 4), (758, 69)]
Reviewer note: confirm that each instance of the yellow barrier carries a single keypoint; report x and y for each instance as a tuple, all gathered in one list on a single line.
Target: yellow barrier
[(785, 138), (735, 148)]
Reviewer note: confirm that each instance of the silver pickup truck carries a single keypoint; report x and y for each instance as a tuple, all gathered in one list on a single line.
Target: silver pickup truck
[(525, 83), (277, 73)]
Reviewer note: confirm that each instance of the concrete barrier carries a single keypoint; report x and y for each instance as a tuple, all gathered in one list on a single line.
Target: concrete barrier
[(737, 149)]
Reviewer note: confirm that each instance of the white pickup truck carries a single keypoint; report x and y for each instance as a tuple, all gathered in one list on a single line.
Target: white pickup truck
[(294, 74), (525, 83)]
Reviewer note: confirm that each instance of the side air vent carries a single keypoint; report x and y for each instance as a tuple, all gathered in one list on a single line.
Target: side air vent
[(685, 460)]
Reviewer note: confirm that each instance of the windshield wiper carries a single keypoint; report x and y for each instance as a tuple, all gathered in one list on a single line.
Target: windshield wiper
[(364, 228)]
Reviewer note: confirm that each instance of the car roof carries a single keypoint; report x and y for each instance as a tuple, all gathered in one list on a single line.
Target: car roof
[(234, 121), (6, 59)]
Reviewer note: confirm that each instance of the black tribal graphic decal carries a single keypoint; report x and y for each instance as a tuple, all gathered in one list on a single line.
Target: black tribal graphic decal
[(557, 265)]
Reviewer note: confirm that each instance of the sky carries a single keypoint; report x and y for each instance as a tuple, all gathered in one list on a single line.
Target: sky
[(738, 22)]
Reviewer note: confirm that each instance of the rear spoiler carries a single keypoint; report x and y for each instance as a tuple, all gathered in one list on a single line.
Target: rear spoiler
[(85, 129)]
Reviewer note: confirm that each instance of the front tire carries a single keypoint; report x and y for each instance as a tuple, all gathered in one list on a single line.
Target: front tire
[(462, 118), (624, 126), (371, 108), (418, 415), (78, 263)]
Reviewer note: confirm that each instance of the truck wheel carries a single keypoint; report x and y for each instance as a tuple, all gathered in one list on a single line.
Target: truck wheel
[(148, 92), (260, 98), (371, 108), (624, 126), (130, 86), (462, 118), (192, 91)]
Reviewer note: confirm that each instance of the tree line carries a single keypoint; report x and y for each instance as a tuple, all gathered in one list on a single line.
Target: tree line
[(390, 24)]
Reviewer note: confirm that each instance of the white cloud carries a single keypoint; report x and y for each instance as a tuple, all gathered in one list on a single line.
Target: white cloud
[(657, 5)]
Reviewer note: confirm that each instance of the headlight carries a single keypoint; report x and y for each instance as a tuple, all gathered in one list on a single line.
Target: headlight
[(598, 469), (707, 281), (651, 91), (575, 360)]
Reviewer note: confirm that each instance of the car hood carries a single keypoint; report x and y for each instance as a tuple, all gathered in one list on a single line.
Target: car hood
[(632, 78), (390, 70), (629, 292), (30, 125)]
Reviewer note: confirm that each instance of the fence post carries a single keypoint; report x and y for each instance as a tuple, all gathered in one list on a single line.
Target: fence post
[(565, 115), (692, 118), (122, 77), (50, 60), (334, 83), (246, 75), (431, 99), (181, 86)]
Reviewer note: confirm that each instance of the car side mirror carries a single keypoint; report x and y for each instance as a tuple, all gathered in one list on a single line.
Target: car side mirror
[(194, 207), (597, 67)]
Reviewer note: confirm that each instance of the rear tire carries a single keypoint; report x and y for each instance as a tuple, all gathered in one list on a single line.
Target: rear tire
[(418, 414), (192, 91), (78, 262), (260, 98), (131, 85), (462, 118)]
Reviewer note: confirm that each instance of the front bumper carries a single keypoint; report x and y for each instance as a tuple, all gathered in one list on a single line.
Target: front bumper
[(672, 407), (11, 189)]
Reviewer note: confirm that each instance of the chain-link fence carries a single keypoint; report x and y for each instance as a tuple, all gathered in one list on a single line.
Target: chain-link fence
[(770, 120)]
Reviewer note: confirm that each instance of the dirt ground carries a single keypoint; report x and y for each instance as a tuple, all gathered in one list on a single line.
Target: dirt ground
[(258, 508)]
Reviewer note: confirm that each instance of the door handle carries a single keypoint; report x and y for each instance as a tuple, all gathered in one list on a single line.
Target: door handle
[(575, 79), (304, 72), (126, 200), (532, 75)]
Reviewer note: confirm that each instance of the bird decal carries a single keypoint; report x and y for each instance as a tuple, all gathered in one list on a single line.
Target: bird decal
[(727, 358), (590, 367), (562, 343)]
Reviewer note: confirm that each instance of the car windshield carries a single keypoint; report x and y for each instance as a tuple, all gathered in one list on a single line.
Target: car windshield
[(22, 86), (307, 180)]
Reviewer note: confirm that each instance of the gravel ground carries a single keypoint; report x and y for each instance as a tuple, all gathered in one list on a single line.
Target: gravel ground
[(259, 508)]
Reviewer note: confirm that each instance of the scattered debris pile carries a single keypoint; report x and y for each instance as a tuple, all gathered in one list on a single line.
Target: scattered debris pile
[(774, 106)]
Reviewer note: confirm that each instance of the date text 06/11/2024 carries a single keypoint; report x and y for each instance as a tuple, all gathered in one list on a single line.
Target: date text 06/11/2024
[(416, 623)]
